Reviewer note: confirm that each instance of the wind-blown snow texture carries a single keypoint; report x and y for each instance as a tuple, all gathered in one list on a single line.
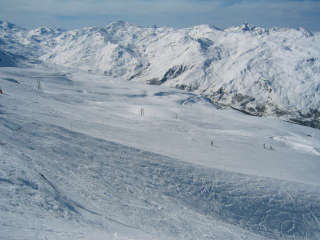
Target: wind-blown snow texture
[(73, 185), (139, 190), (79, 159)]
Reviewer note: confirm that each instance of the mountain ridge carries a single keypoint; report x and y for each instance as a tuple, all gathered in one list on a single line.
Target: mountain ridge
[(260, 71)]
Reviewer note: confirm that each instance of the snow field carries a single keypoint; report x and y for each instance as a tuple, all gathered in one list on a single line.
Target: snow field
[(80, 162)]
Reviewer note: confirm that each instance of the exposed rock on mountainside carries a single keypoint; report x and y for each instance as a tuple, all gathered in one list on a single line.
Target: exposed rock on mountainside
[(255, 70), (7, 59)]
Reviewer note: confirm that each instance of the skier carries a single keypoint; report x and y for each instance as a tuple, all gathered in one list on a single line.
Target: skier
[(1, 92)]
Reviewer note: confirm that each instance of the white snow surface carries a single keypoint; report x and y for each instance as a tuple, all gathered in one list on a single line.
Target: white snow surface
[(272, 71), (85, 155), (78, 161)]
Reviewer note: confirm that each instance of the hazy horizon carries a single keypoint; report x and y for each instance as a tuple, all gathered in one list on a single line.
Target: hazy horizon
[(73, 14)]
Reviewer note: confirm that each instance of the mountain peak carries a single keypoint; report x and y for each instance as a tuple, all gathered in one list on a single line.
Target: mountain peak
[(45, 31), (242, 66), (305, 32), (119, 24), (246, 27), (9, 26)]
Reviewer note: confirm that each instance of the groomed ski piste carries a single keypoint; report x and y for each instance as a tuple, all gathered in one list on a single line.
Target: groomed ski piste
[(78, 161), (89, 156)]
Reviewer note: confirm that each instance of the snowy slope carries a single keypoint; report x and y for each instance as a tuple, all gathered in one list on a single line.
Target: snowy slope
[(88, 150), (7, 59), (10, 44), (79, 162), (20, 47), (260, 71)]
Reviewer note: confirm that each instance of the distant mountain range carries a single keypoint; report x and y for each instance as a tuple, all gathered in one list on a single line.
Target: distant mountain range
[(262, 72)]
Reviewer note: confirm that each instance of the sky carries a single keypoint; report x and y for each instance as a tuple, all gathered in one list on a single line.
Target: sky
[(70, 14)]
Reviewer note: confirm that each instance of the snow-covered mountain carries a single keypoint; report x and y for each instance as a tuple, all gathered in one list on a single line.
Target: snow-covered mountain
[(260, 71), (100, 138), (78, 160)]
